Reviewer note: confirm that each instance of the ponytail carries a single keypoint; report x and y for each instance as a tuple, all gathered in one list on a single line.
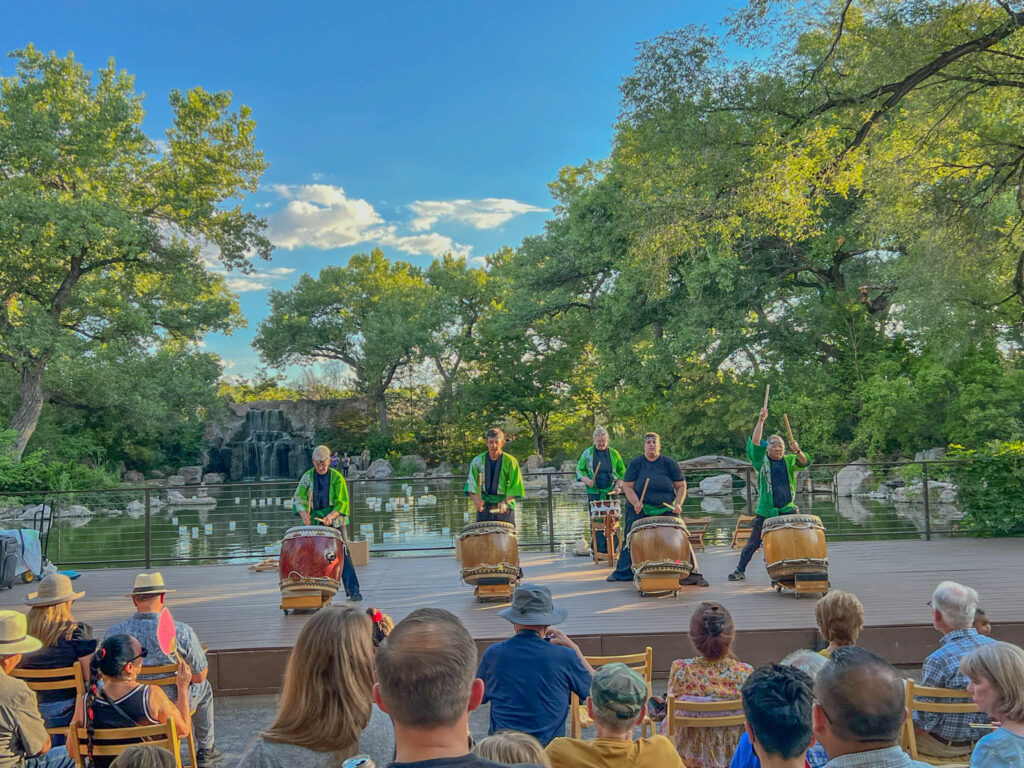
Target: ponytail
[(382, 625), (91, 692)]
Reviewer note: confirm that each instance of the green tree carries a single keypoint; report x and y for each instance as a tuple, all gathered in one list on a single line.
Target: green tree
[(100, 233), (370, 314)]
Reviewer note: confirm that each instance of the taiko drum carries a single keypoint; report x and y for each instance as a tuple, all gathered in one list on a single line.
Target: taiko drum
[(794, 544), (490, 550), (659, 546), (311, 558)]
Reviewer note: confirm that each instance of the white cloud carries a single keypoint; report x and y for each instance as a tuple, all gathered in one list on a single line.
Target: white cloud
[(278, 271), (321, 216), (432, 244), (488, 213), (244, 283)]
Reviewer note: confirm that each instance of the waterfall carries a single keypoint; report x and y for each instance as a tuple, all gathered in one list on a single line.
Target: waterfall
[(267, 445)]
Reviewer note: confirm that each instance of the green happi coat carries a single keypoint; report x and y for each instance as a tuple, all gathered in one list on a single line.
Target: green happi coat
[(585, 468), (758, 455), (338, 497), (510, 480)]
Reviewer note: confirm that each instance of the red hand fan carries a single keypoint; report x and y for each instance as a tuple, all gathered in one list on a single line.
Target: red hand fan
[(166, 634)]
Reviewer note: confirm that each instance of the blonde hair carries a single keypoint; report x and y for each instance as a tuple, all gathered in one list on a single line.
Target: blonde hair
[(321, 453), (1002, 664), (144, 756), (51, 623), (840, 617), (326, 700), (511, 747)]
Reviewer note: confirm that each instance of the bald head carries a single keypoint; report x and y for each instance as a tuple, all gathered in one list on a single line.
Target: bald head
[(862, 696)]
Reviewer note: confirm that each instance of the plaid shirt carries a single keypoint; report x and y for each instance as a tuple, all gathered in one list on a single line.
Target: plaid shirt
[(890, 757), (942, 670), (142, 626)]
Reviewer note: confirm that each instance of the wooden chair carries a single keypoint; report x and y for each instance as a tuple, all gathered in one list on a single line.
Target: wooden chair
[(674, 717), (110, 742), (909, 740), (697, 528), (61, 679), (638, 662), (167, 674), (742, 532)]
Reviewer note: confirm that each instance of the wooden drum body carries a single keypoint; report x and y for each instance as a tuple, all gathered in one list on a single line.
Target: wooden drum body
[(659, 546), (490, 553), (311, 559), (794, 544)]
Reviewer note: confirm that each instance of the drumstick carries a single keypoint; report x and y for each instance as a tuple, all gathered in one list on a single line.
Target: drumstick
[(767, 388), (789, 431), (596, 470), (644, 491)]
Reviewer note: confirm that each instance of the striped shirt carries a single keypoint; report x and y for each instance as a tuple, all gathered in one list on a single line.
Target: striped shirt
[(942, 670)]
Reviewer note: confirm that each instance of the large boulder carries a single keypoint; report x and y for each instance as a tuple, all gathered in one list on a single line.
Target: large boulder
[(932, 454), (175, 480), (413, 460), (441, 470), (192, 475), (716, 485), (75, 510), (854, 479), (380, 469), (712, 462), (132, 476), (533, 463), (568, 467), (156, 474), (213, 478)]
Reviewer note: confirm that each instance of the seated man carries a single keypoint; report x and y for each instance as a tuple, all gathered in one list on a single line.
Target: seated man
[(949, 735), (617, 703), (24, 742), (148, 594), (425, 682), (859, 711), (777, 702), (529, 677)]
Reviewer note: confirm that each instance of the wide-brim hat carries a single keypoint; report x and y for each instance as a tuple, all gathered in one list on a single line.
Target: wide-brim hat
[(53, 589), (14, 636), (532, 605), (148, 584)]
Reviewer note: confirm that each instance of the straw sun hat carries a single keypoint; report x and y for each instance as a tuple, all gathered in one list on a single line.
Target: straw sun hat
[(53, 589)]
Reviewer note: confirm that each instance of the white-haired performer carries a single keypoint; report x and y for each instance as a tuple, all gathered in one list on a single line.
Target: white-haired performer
[(321, 498), (601, 468)]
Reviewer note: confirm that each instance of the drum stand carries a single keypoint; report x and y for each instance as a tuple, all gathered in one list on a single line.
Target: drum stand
[(658, 584), (612, 538), (499, 591), (304, 600), (805, 584)]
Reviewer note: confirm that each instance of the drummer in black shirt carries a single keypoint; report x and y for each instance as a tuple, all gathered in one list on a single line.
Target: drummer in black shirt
[(660, 481)]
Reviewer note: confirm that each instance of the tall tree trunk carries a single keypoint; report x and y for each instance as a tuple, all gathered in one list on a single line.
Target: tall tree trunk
[(538, 439), (30, 406), (382, 411)]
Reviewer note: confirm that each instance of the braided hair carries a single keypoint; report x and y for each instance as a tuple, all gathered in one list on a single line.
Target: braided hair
[(109, 659), (382, 625)]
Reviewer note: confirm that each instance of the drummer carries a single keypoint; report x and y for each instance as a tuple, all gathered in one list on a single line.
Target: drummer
[(601, 468), (776, 485), (660, 481), (321, 498), (494, 481)]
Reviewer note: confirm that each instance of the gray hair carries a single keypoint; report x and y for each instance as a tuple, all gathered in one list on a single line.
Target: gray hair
[(776, 439), (321, 452), (956, 603), (808, 662), (600, 432)]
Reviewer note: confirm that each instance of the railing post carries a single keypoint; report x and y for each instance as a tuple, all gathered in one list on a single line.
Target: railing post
[(551, 516), (927, 508), (747, 471), (248, 516), (149, 530)]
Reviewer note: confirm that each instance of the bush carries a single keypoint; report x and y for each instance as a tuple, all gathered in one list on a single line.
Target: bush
[(32, 473), (991, 486)]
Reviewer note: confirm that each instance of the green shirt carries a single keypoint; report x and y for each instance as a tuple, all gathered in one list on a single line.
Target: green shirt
[(758, 455), (585, 467), (510, 480), (338, 496)]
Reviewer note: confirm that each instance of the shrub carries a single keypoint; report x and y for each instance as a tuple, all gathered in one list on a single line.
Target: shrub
[(991, 486)]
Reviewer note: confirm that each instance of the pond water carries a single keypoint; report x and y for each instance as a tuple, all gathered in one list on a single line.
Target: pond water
[(248, 520)]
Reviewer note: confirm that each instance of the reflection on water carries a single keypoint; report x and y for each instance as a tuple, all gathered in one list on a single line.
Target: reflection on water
[(426, 515)]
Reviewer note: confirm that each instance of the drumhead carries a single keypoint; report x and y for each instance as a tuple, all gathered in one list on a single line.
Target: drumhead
[(793, 521), (488, 526), (600, 506), (301, 531), (654, 521)]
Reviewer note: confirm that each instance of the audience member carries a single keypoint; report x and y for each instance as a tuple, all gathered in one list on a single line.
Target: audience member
[(66, 642), (996, 674), (528, 678), (617, 703), (148, 594), (777, 702), (124, 702), (512, 747), (24, 742), (144, 756), (382, 625), (425, 681), (326, 712), (840, 617), (859, 711), (949, 735), (981, 623), (713, 675), (810, 663)]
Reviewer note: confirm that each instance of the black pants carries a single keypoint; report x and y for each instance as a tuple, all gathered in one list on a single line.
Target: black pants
[(490, 515), (754, 542), (348, 575), (624, 568)]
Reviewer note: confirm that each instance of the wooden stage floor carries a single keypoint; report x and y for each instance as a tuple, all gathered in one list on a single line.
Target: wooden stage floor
[(236, 611)]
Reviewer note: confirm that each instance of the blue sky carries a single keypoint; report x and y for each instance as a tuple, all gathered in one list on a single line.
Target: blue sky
[(419, 127)]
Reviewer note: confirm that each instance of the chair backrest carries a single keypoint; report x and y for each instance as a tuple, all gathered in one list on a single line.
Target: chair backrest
[(913, 691), (642, 662), (60, 679), (679, 713), (110, 742), (741, 533), (159, 674)]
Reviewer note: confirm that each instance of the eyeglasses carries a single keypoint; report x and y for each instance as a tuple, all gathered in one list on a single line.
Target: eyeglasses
[(142, 655), (827, 717)]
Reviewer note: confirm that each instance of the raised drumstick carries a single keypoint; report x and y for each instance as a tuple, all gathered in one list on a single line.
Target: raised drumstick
[(767, 389), (789, 430)]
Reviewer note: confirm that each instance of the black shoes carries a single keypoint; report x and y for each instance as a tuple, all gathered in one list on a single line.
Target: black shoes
[(205, 757), (737, 576), (356, 598)]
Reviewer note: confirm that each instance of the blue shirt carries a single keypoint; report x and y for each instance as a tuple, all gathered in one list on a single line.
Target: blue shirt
[(142, 626), (999, 749), (942, 670), (528, 680), (745, 757), (781, 493)]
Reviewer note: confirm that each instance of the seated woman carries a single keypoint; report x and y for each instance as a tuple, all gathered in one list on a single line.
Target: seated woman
[(123, 702), (714, 675), (996, 672), (66, 642), (840, 617), (326, 713)]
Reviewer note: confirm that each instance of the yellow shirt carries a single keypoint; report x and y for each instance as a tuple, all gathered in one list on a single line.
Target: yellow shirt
[(655, 752)]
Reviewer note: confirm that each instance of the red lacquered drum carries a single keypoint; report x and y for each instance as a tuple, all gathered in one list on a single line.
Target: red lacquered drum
[(311, 558), (490, 550), (659, 546), (794, 544)]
